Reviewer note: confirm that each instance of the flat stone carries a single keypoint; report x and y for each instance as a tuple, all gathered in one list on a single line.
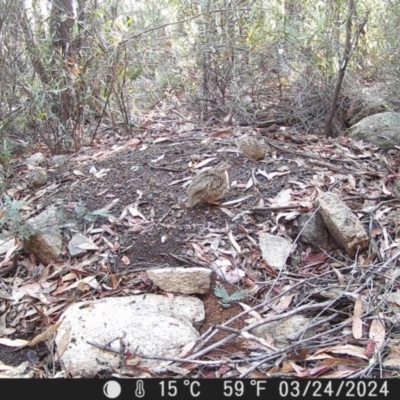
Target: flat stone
[(181, 280)]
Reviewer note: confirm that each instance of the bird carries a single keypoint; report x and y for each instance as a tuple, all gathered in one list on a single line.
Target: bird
[(252, 148), (209, 186), (37, 177)]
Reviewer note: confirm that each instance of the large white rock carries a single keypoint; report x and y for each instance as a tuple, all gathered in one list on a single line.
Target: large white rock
[(148, 324)]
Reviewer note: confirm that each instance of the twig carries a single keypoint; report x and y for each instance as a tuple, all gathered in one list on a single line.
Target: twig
[(183, 117), (364, 372), (362, 197), (165, 168), (312, 326), (263, 321), (247, 336), (327, 165), (105, 347), (256, 182), (245, 312), (262, 210), (163, 217), (287, 349), (307, 155), (186, 360), (291, 249), (378, 206), (185, 260)]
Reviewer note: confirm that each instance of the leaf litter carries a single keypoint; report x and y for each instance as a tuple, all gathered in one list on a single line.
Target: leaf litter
[(352, 304)]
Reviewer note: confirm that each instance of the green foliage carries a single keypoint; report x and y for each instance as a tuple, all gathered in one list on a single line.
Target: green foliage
[(134, 72), (5, 153), (80, 210), (226, 299), (13, 221)]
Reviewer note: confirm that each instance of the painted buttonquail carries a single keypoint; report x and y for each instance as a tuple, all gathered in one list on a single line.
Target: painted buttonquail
[(252, 148), (37, 177), (209, 186)]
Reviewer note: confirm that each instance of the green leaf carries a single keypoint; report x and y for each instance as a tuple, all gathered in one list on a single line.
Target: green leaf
[(225, 305), (239, 295), (80, 209), (221, 292)]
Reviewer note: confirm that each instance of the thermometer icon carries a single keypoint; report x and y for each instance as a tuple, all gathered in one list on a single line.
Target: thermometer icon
[(139, 392)]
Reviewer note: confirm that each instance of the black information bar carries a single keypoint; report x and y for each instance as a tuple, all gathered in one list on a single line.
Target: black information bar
[(208, 389)]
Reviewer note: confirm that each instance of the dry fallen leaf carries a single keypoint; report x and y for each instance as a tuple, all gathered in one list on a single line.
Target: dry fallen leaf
[(309, 372), (252, 313), (282, 198), (48, 333), (339, 275), (13, 343), (283, 304), (187, 349), (249, 184), (321, 356), (377, 332), (78, 173), (161, 139), (159, 158), (222, 133), (338, 374), (233, 242), (289, 216), (357, 323), (62, 344), (6, 245), (350, 350), (272, 174), (393, 297), (132, 143), (177, 370), (204, 162)]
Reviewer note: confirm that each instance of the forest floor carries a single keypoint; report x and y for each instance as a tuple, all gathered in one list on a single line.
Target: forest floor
[(142, 181)]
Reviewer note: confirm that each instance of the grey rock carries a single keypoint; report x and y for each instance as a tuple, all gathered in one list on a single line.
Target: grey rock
[(313, 230), (46, 241), (344, 226), (275, 249), (381, 129), (368, 101), (35, 160), (285, 330)]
